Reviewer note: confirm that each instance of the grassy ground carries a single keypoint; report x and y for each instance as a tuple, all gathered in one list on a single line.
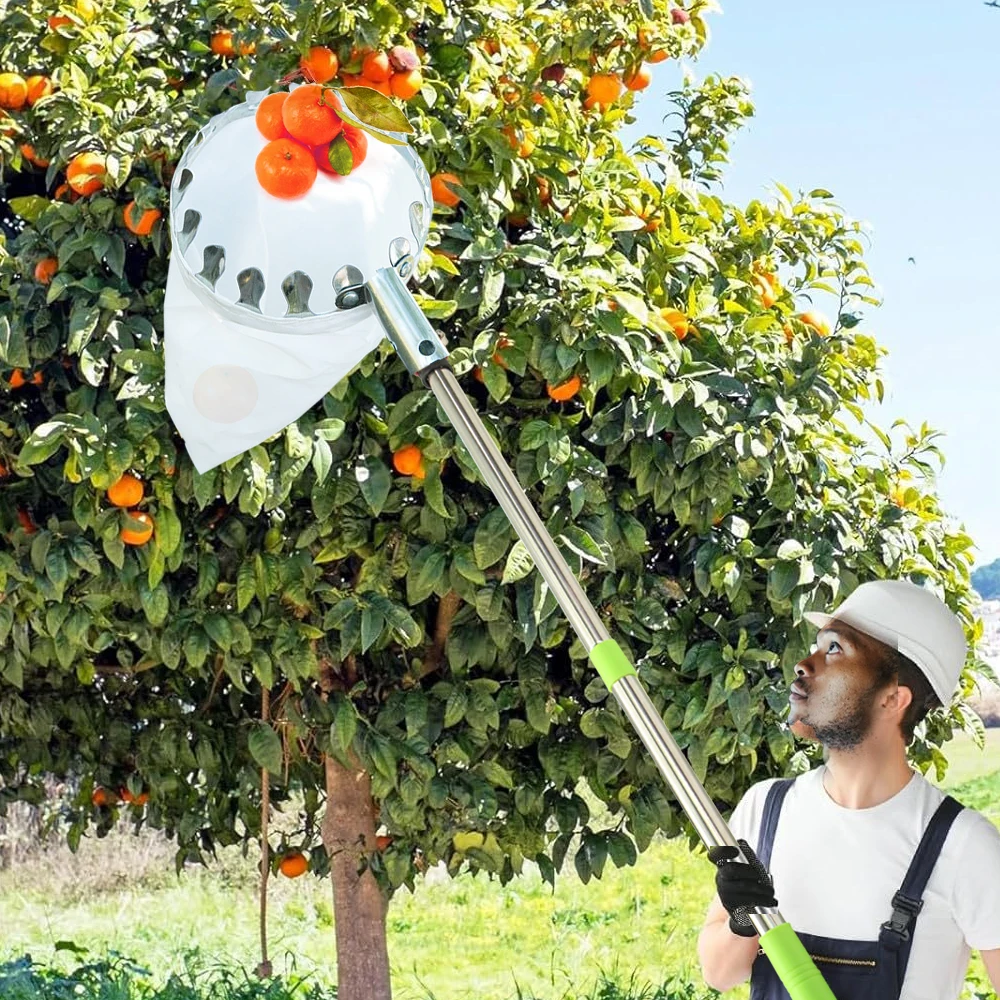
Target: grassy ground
[(467, 938)]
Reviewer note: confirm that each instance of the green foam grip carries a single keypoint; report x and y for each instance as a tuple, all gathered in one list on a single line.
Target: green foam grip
[(610, 662), (794, 967)]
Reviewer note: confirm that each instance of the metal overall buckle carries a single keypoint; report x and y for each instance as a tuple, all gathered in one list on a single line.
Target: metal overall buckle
[(904, 911)]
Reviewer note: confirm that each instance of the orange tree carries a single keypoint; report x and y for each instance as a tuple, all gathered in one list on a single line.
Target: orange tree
[(344, 608)]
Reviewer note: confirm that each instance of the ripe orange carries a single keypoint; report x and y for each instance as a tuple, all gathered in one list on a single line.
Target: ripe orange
[(17, 379), (817, 321), (766, 292), (658, 57), (443, 194), (501, 344), (13, 91), (28, 152), (409, 461), (102, 797), (84, 173), (222, 45), (357, 141), (525, 145), (604, 89), (310, 114), (544, 189), (640, 79), (134, 800), (138, 536), (376, 67), (58, 20), (142, 223), (677, 321), (381, 843), (38, 87), (37, 379), (320, 66), (293, 865), (565, 391), (286, 168), (406, 85), (268, 117), (382, 86), (126, 491), (789, 332), (26, 521), (45, 270)]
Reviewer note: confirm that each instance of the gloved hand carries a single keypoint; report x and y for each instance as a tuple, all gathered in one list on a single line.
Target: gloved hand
[(742, 887)]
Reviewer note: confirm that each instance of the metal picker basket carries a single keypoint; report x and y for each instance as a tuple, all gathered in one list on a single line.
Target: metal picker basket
[(247, 269)]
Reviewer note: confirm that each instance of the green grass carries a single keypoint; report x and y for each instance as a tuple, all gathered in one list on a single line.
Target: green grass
[(633, 930)]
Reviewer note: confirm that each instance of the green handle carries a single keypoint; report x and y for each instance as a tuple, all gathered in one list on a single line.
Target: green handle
[(793, 965)]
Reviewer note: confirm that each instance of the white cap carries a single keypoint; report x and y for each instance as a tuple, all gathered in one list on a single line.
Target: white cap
[(913, 620)]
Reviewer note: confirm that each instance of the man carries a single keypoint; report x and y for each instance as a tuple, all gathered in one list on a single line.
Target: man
[(882, 919)]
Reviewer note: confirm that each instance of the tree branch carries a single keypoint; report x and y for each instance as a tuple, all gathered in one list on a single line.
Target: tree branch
[(447, 609)]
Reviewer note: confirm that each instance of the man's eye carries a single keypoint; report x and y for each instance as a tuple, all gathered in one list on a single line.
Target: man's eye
[(834, 643)]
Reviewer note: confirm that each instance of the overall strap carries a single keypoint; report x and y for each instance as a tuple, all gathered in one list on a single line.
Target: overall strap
[(769, 821), (907, 902)]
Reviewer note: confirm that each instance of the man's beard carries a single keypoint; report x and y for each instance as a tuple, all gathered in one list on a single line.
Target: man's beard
[(850, 730)]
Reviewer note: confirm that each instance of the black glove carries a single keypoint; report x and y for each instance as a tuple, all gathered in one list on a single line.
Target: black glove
[(741, 887)]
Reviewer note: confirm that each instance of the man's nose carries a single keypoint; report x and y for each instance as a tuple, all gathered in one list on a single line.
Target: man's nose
[(804, 667)]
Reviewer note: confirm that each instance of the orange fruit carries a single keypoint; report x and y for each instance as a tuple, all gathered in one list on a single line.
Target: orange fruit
[(640, 79), (525, 145), (84, 173), (677, 321), (138, 222), (17, 379), (320, 66), (222, 43), (477, 373), (376, 67), (28, 152), (268, 117), (409, 461), (357, 141), (37, 379), (564, 391), (604, 89), (310, 114), (64, 193), (286, 168), (765, 291), (13, 91), (38, 87), (817, 321), (133, 800), (501, 344), (45, 270), (293, 865), (443, 194), (381, 843), (58, 20), (382, 86), (26, 521), (102, 797), (658, 57), (544, 189), (406, 85), (126, 491), (789, 332), (138, 536), (3, 470)]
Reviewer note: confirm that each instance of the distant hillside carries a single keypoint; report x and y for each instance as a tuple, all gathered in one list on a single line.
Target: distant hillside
[(986, 580)]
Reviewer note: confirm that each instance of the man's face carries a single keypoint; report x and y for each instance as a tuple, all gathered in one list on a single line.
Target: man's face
[(833, 697)]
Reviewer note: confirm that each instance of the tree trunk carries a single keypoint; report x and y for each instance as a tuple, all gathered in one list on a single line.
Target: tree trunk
[(359, 905)]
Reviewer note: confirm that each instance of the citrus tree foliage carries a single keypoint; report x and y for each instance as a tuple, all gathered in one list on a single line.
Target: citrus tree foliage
[(708, 482)]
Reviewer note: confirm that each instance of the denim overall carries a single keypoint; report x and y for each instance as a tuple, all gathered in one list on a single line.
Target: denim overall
[(858, 970)]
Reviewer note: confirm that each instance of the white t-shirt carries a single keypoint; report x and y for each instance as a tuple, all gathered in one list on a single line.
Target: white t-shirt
[(835, 871)]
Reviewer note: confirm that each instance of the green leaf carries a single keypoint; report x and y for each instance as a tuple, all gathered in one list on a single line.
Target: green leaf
[(29, 207), (373, 109), (246, 584), (345, 722), (373, 477), (13, 346), (493, 534), (782, 578), (218, 629), (265, 746), (519, 563), (456, 706), (43, 442), (340, 156)]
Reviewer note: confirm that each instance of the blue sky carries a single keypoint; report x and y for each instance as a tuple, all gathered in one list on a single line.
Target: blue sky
[(894, 107)]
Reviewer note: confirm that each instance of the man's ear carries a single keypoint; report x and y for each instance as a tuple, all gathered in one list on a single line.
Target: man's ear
[(903, 697)]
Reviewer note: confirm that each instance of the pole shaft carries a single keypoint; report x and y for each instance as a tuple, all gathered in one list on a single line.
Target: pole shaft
[(629, 692)]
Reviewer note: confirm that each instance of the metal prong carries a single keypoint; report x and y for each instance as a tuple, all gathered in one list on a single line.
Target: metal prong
[(349, 285), (400, 257), (297, 288)]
